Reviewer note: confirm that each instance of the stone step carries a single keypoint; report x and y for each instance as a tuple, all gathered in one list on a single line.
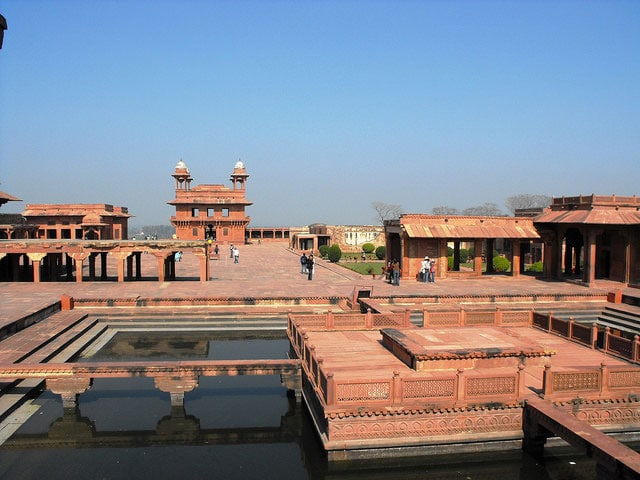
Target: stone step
[(79, 343), (619, 323), (17, 395), (620, 308), (59, 342), (60, 348), (35, 337)]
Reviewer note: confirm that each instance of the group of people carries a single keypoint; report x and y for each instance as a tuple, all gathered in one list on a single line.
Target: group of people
[(307, 264), (392, 272), (428, 270)]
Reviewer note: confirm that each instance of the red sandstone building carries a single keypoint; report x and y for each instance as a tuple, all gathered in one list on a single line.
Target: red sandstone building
[(592, 236), (413, 236), (210, 211), (78, 221)]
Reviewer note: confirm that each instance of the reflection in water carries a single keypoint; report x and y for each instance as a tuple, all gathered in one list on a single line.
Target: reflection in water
[(160, 345), (229, 428)]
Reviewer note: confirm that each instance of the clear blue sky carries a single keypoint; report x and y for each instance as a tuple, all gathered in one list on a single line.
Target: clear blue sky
[(331, 104)]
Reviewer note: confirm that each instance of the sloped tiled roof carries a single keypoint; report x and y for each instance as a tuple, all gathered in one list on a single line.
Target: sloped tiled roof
[(464, 227), (5, 197), (595, 216)]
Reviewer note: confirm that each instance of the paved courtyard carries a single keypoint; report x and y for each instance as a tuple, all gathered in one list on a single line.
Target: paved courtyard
[(270, 270)]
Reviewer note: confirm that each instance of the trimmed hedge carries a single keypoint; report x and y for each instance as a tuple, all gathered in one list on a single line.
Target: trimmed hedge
[(537, 267), (501, 264), (334, 253), (368, 247)]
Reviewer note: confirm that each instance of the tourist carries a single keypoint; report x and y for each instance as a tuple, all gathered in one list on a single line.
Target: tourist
[(395, 268), (303, 263), (231, 251), (432, 271), (178, 256), (388, 272), (236, 254), (425, 268), (310, 265), (216, 250)]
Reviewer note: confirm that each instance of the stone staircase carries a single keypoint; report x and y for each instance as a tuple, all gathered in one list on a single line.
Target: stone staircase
[(623, 317), (56, 340)]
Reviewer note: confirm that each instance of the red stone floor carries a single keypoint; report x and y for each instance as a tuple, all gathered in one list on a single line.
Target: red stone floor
[(360, 355), (269, 270)]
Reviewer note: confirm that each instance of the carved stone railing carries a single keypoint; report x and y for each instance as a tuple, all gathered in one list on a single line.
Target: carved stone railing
[(347, 321), (445, 389), (588, 335), (484, 318), (590, 383), (461, 388)]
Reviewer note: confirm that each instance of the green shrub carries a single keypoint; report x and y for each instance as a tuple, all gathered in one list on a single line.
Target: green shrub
[(324, 250), (464, 255), (450, 262), (334, 253), (536, 267), (381, 252), (368, 247), (501, 264)]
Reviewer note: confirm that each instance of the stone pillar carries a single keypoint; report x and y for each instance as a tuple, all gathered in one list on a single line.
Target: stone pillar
[(477, 259), (627, 259), (36, 259), (79, 259), (176, 387), (293, 383), (589, 276), (201, 254), (515, 258), (534, 434), (121, 258), (69, 388), (160, 258), (92, 266)]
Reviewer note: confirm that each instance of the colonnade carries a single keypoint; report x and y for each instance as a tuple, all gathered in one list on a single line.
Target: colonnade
[(38, 261)]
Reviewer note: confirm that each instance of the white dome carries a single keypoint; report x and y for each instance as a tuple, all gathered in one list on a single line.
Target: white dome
[(181, 164), (239, 164)]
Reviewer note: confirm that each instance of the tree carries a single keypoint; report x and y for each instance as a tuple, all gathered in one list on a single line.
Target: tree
[(386, 211), (486, 210), (444, 210), (527, 200)]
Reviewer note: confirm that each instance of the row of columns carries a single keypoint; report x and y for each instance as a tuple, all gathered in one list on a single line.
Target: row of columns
[(442, 257), (69, 388), (563, 254), (128, 264)]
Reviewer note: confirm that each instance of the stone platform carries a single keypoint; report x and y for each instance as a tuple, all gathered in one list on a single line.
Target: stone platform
[(366, 395), (470, 349)]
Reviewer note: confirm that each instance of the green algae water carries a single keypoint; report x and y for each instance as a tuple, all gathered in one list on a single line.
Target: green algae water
[(229, 428)]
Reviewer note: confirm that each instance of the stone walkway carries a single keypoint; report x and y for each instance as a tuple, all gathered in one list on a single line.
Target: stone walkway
[(270, 270)]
